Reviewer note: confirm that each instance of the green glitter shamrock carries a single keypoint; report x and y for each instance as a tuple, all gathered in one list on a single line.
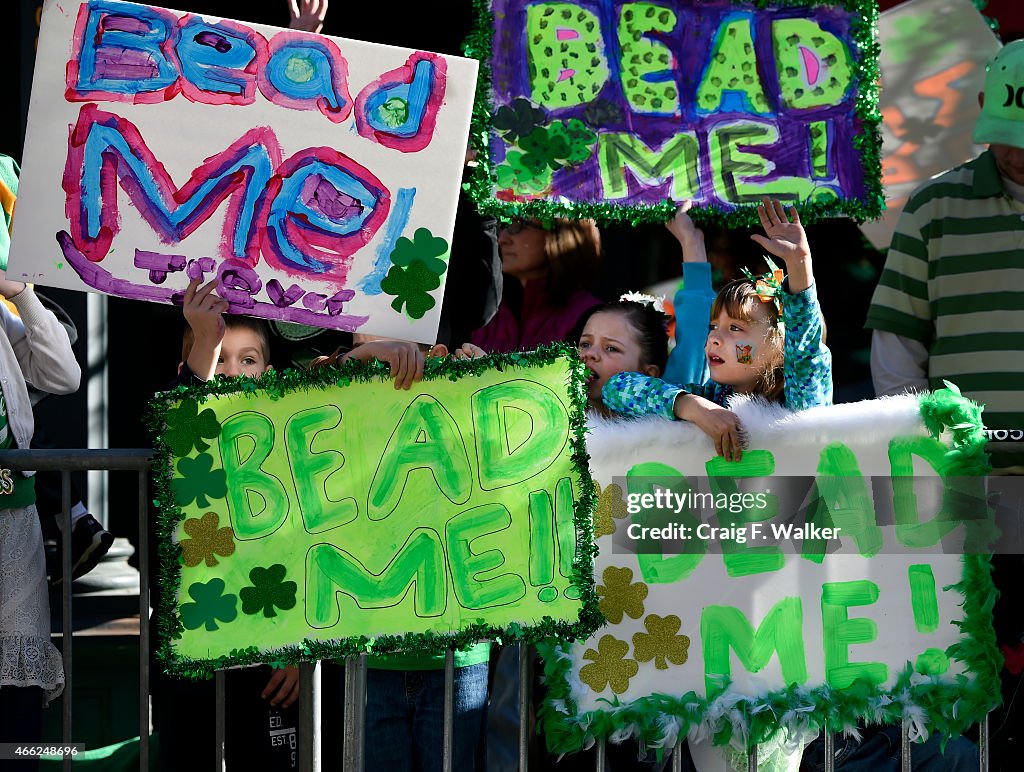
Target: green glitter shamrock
[(186, 428), (211, 605), (661, 642), (609, 666), (517, 119), (611, 505), (602, 112), (198, 480), (269, 589), (578, 138), (424, 247), (514, 175), (621, 595), (411, 286), (207, 541)]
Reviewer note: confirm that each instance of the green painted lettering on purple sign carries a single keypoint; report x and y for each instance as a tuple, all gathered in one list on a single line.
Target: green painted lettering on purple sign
[(257, 500), (815, 68), (642, 58), (732, 66), (839, 632), (732, 168), (781, 632), (676, 160), (312, 471), (565, 51), (818, 132)]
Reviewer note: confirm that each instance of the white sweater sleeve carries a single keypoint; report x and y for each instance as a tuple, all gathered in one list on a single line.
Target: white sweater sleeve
[(41, 345), (898, 363)]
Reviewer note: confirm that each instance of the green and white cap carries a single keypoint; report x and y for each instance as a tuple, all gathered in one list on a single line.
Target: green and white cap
[(1002, 114)]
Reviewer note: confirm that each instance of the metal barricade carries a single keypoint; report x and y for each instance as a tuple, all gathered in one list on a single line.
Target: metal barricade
[(310, 757)]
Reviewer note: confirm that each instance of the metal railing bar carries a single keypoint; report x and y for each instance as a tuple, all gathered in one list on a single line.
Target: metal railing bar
[(144, 642), (309, 717), (67, 631), (600, 756), (752, 760), (983, 747), (219, 731), (905, 746), (448, 735), (524, 706), (677, 756), (830, 749), (77, 460)]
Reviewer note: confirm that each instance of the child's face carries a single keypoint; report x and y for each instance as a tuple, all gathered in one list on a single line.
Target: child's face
[(738, 350), (241, 353), (609, 346)]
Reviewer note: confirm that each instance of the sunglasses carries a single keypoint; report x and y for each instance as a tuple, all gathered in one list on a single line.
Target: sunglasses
[(518, 226)]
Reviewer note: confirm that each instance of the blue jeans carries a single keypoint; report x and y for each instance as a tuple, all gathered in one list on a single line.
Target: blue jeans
[(879, 751), (405, 718)]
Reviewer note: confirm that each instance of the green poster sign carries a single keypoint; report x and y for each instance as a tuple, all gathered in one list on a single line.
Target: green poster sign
[(308, 515)]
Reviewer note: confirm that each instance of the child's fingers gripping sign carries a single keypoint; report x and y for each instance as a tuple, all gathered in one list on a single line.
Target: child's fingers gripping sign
[(283, 687)]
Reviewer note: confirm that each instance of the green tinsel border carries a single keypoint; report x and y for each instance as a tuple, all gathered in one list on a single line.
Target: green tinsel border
[(275, 385), (949, 708), (869, 142)]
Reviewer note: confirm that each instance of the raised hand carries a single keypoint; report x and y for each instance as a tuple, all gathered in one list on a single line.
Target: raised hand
[(307, 15), (689, 236), (404, 358), (283, 687), (204, 312), (786, 239)]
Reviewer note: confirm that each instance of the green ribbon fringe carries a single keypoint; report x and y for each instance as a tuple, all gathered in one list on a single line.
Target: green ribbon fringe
[(275, 385), (931, 704), (868, 142)]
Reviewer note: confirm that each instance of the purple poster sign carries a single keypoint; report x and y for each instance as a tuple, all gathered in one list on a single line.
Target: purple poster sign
[(620, 109)]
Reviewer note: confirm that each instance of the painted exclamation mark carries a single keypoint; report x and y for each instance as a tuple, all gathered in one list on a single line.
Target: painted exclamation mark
[(819, 149), (550, 531), (925, 604)]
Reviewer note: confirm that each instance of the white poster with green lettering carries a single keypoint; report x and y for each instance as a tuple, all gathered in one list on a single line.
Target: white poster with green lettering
[(833, 574), (321, 514)]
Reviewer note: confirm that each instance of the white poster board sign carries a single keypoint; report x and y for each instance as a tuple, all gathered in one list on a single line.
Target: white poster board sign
[(823, 578), (317, 178)]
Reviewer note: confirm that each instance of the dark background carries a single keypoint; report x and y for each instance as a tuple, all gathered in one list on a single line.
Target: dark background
[(144, 339)]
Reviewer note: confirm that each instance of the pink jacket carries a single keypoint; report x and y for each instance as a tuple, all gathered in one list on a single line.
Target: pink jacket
[(538, 323)]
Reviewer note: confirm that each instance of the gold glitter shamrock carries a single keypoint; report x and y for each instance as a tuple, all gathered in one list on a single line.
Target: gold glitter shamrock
[(660, 642), (207, 541), (620, 594), (609, 667), (611, 505)]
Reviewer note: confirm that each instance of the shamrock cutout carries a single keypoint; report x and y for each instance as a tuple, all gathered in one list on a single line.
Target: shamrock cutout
[(661, 642), (186, 428), (269, 589), (544, 148), (211, 604), (411, 286), (198, 480), (425, 248), (611, 506), (621, 595), (513, 174), (577, 137), (517, 119), (207, 541), (609, 666), (394, 112)]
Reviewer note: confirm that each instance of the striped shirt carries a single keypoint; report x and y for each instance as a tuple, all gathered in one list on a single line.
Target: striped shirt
[(954, 280)]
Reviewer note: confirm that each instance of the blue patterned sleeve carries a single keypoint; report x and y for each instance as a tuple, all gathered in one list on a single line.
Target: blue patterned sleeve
[(635, 395), (687, 362), (808, 362)]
